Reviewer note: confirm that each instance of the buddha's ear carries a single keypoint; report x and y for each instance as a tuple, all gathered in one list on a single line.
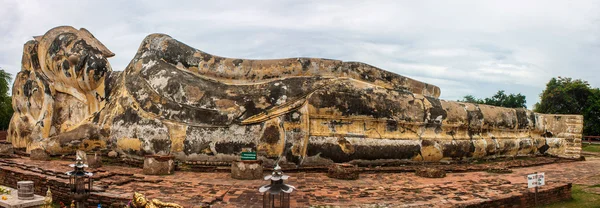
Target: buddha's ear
[(90, 39), (29, 51)]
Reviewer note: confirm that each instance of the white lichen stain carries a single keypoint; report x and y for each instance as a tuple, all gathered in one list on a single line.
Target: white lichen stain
[(221, 69), (142, 96), (363, 141), (231, 134), (281, 100), (144, 129), (159, 81), (149, 64)]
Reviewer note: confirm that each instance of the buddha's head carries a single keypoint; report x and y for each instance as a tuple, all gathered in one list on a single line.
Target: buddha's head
[(139, 200), (73, 57)]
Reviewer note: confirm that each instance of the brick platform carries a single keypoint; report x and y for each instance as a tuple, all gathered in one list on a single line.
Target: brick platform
[(115, 185), (3, 135)]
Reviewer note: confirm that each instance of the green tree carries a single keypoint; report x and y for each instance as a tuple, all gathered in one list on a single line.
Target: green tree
[(499, 99), (6, 110), (569, 96), (471, 99)]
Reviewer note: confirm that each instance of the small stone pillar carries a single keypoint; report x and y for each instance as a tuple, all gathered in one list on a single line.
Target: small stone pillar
[(39, 154), (159, 165), (25, 190), (343, 171), (247, 169), (6, 149), (430, 172), (94, 160)]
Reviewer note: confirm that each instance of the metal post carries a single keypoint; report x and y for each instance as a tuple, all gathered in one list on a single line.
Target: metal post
[(536, 188)]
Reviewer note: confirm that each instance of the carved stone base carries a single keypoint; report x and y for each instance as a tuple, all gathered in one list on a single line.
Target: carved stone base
[(6, 149), (39, 154), (430, 172), (159, 165), (343, 171), (247, 170)]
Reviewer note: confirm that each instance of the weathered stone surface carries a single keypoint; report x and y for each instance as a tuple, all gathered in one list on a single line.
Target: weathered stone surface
[(175, 100), (343, 171), (158, 165), (499, 170), (247, 170), (6, 149), (39, 154), (430, 172)]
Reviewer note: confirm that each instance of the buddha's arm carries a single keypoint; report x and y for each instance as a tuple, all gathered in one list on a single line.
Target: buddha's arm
[(246, 71)]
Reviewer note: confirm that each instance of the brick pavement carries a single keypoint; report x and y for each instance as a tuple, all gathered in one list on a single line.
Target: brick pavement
[(193, 189)]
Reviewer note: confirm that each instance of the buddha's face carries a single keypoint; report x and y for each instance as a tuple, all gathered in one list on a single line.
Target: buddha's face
[(74, 57), (139, 200)]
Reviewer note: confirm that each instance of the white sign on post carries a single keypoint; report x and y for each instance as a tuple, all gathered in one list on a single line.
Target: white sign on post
[(536, 180)]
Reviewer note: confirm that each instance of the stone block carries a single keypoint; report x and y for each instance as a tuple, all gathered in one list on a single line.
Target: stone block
[(159, 165), (94, 160), (247, 169), (430, 172), (39, 154), (113, 154), (6, 149), (343, 171)]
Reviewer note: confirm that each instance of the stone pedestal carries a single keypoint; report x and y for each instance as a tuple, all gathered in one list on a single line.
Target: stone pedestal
[(343, 171), (247, 169), (39, 154), (13, 201), (159, 165), (430, 172), (94, 160), (6, 149)]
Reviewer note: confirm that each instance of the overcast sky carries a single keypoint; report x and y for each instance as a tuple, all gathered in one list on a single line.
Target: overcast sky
[(464, 47)]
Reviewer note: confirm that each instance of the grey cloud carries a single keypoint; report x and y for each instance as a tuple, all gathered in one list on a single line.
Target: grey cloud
[(465, 47)]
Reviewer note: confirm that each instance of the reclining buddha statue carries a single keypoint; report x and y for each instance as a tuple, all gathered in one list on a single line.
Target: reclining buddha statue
[(175, 100)]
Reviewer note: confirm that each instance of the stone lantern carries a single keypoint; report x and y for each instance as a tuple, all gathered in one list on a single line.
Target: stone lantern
[(276, 194), (80, 183)]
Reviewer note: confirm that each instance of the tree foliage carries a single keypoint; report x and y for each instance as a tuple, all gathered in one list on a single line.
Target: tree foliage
[(564, 95), (6, 110), (499, 99)]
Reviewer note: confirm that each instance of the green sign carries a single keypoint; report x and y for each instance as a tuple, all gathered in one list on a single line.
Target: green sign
[(248, 155)]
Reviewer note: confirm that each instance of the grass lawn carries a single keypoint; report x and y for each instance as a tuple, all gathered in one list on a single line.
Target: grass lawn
[(580, 199), (590, 147)]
